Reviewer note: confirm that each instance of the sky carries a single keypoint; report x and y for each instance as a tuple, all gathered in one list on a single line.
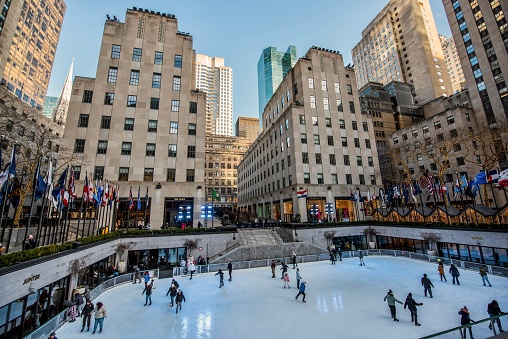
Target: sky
[(237, 31)]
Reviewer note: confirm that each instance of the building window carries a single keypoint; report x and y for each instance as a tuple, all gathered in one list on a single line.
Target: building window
[(105, 122), (132, 100), (367, 143), (306, 178), (191, 151), (342, 124), (305, 158), (359, 161), (76, 171), (193, 107), (134, 79), (316, 139), (98, 172), (178, 63), (136, 54), (320, 178), (352, 107), (454, 133), (332, 159), (177, 81), (354, 125), (302, 119), (158, 58), (172, 151), (349, 89), (150, 150), (335, 180), (450, 120), (123, 174), (339, 105), (87, 96), (83, 120), (362, 179), (370, 161), (115, 52), (311, 83), (109, 98), (328, 122), (349, 179), (346, 160), (126, 148), (373, 180), (171, 175), (365, 127), (303, 138), (173, 127), (330, 140), (156, 80), (152, 126), (128, 124), (148, 174), (323, 85), (154, 103), (175, 105), (112, 74), (102, 147), (190, 175), (319, 160), (344, 141), (312, 101), (437, 124), (337, 87), (460, 161), (192, 129)]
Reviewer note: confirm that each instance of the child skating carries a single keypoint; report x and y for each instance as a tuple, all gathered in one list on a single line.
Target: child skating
[(360, 256), (221, 276), (391, 300), (301, 291), (411, 305), (286, 280), (298, 277)]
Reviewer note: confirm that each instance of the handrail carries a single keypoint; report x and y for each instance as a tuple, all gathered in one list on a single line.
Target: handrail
[(224, 251), (491, 319)]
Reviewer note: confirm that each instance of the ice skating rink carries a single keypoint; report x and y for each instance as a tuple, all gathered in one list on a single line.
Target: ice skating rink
[(343, 301)]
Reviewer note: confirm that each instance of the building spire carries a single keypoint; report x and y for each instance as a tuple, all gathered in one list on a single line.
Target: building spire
[(62, 105)]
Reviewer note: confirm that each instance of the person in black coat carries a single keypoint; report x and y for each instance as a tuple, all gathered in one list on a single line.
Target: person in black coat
[(493, 309), (284, 269), (29, 243), (427, 285), (465, 319), (179, 298), (339, 252), (80, 303), (230, 270), (454, 271), (87, 314), (411, 305), (221, 276)]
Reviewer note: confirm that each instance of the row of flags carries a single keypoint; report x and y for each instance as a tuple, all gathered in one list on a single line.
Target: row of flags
[(103, 193), (131, 200), (9, 172)]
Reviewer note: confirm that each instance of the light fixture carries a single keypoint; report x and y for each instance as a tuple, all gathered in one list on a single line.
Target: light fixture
[(158, 186)]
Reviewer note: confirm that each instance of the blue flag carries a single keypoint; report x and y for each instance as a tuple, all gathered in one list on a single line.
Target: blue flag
[(40, 187), (15, 193), (139, 198), (479, 179), (12, 166), (146, 198), (60, 185)]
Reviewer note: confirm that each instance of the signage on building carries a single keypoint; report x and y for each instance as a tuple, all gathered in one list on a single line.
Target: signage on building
[(477, 238), (31, 279)]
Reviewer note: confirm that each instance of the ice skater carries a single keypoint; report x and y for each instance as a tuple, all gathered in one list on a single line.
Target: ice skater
[(293, 259), (179, 298), (100, 315), (440, 269), (146, 277), (411, 305), (192, 269), (286, 280), (230, 270), (221, 276), (80, 302), (137, 275), (483, 273), (360, 256), (298, 277), (272, 266), (454, 271), (172, 293), (493, 309), (427, 285), (87, 315), (339, 252), (301, 290), (148, 290), (465, 319), (333, 258), (391, 300), (284, 268)]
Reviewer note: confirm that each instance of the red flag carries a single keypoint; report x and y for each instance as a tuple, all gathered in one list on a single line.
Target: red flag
[(85, 189)]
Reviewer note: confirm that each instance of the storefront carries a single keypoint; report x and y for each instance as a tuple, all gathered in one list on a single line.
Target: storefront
[(315, 209), (351, 242), (178, 211), (402, 244), (477, 254), (288, 210), (159, 258), (344, 210)]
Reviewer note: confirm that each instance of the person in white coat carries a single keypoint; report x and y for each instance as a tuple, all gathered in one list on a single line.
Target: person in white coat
[(192, 269)]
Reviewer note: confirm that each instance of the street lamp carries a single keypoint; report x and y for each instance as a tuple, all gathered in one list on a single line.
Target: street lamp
[(206, 212), (329, 210), (314, 211)]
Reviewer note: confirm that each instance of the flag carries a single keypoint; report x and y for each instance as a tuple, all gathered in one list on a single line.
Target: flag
[(4, 175), (90, 189), (425, 179), (49, 181), (117, 196), (85, 189), (97, 192), (146, 198), (503, 178), (405, 192), (360, 197), (72, 188), (1, 160), (57, 191), (66, 197), (12, 165), (492, 177), (131, 202), (105, 194), (354, 197), (463, 183), (417, 189), (479, 179), (368, 195), (413, 190), (15, 193), (457, 191), (139, 198), (396, 192), (301, 194), (215, 195)]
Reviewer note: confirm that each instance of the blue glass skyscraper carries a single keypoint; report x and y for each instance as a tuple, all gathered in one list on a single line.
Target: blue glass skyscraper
[(273, 65)]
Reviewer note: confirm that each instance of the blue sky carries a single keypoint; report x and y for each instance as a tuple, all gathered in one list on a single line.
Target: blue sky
[(236, 30)]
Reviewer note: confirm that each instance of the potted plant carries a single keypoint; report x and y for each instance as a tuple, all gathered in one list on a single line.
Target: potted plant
[(79, 269), (190, 245), (329, 235), (370, 233), (121, 265), (432, 239)]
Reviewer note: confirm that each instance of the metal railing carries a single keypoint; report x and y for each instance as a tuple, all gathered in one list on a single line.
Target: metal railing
[(60, 319), (462, 329)]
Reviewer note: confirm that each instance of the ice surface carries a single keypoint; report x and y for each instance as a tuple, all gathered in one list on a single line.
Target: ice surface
[(343, 301)]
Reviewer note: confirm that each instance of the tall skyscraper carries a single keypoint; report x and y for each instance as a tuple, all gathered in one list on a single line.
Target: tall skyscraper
[(453, 63), (247, 127), (49, 106), (62, 106), (29, 34), (140, 122), (216, 80), (402, 44), (273, 66), (480, 31)]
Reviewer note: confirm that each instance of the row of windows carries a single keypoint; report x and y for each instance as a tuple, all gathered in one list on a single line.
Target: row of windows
[(102, 148), (123, 174), (330, 140), (129, 124), (332, 160), (135, 76), (137, 55), (328, 123)]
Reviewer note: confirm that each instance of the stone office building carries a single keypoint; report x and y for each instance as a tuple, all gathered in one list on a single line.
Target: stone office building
[(314, 139), (139, 123)]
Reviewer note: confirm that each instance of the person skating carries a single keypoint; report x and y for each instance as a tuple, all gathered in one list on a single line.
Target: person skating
[(360, 255), (333, 258), (493, 309), (298, 277), (440, 269), (230, 270), (87, 315), (146, 277), (286, 280), (179, 298), (174, 282), (172, 293), (100, 315), (391, 300), (221, 276), (192, 269), (80, 303), (293, 260), (137, 275), (454, 271), (465, 319), (483, 273), (411, 305), (272, 266), (301, 291), (284, 269), (339, 252), (427, 285), (148, 290)]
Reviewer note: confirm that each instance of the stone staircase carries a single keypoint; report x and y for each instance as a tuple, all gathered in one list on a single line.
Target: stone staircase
[(258, 236)]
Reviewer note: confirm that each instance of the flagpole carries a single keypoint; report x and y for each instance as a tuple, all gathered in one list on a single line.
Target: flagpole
[(4, 200), (137, 210), (34, 187), (86, 215), (462, 196), (495, 202), (474, 206), (4, 226), (79, 217), (12, 223), (41, 217), (146, 203)]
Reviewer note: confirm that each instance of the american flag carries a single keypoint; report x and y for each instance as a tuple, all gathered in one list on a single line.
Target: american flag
[(85, 189), (425, 180), (131, 202)]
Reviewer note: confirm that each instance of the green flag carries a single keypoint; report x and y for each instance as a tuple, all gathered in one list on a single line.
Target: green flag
[(215, 195)]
